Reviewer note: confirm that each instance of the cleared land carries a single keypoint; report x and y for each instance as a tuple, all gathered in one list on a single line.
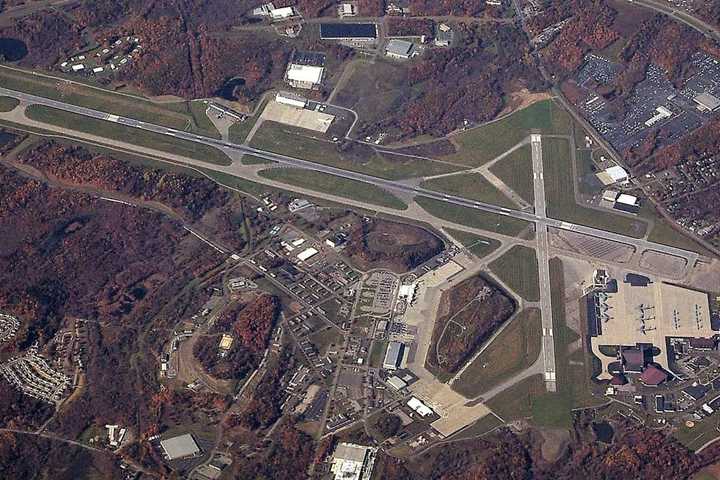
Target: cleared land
[(516, 171), (518, 268), (239, 131), (120, 132), (472, 186), (511, 352), (473, 218), (477, 245), (176, 115), (295, 142), (323, 182), (8, 103), (560, 191), (478, 146)]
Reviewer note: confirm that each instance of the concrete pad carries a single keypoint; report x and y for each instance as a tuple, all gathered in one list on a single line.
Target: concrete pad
[(297, 117)]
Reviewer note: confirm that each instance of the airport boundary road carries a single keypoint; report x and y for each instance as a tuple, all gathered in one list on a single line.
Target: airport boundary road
[(391, 185)]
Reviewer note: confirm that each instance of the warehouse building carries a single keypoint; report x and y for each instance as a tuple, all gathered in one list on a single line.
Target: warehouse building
[(393, 355), (707, 102), (613, 175), (349, 32), (306, 70), (637, 313), (353, 462), (180, 447), (399, 49), (287, 98)]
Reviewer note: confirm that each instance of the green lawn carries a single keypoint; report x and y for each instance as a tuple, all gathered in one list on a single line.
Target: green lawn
[(311, 146), (323, 182), (512, 351), (695, 437), (326, 339), (177, 115), (119, 132), (8, 103), (377, 353), (517, 173), (516, 402), (239, 131), (473, 218), (253, 160), (518, 268), (197, 110), (477, 245), (560, 193), (480, 145), (662, 232), (472, 186)]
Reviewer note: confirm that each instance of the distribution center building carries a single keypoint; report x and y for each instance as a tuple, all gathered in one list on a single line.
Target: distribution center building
[(393, 355)]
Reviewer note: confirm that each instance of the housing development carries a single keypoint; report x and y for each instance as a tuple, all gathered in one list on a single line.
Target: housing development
[(360, 239)]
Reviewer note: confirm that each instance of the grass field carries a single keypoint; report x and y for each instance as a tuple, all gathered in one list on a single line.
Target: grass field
[(516, 402), (253, 160), (486, 424), (8, 103), (122, 133), (326, 338), (662, 232), (377, 353), (177, 115), (560, 192), (239, 131), (473, 218), (516, 171), (512, 351), (518, 268), (299, 143), (477, 245), (472, 186), (343, 187), (197, 110), (482, 144)]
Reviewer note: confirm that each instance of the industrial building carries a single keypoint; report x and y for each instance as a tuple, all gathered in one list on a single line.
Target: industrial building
[(350, 32), (399, 49), (181, 446), (707, 102), (613, 175), (637, 314), (305, 70), (353, 462), (627, 203), (287, 98), (393, 355), (444, 36), (419, 407)]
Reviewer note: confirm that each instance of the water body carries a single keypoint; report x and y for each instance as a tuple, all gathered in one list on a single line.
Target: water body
[(228, 90), (12, 49), (603, 432)]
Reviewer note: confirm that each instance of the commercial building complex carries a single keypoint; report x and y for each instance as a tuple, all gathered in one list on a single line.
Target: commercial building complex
[(352, 462)]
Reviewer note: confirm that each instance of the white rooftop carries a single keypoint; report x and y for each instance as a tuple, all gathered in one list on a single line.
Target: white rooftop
[(180, 446), (305, 73), (617, 173), (627, 199)]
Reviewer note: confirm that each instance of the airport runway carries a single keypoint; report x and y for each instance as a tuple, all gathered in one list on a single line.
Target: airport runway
[(398, 186), (543, 259)]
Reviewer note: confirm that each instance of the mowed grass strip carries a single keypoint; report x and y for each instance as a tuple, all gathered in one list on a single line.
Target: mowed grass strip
[(515, 402), (312, 146), (512, 351), (560, 193), (177, 114), (473, 186), (473, 218), (343, 187), (124, 133), (478, 146), (476, 244), (8, 103), (518, 268), (516, 172)]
